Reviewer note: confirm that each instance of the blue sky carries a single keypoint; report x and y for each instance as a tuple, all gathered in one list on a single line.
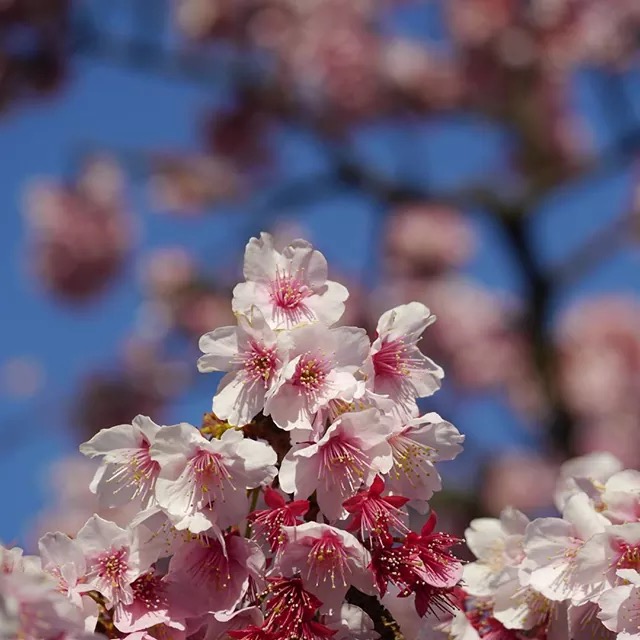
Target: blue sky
[(109, 107)]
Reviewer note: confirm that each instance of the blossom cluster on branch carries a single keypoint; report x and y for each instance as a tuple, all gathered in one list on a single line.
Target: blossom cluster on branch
[(574, 576), (286, 514)]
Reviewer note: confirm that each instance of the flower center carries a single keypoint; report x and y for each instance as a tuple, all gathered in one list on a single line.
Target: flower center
[(342, 463), (328, 559), (208, 466), (410, 459), (260, 363), (288, 294), (142, 471), (112, 565), (150, 591), (391, 360), (311, 373), (629, 556)]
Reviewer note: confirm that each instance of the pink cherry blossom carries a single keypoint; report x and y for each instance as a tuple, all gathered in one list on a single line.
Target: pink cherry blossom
[(416, 446), (518, 606), (290, 288), (253, 354), (600, 559), (289, 606), (215, 575), (400, 370), (421, 564), (376, 516), (585, 474), (13, 560), (498, 547), (620, 498), (127, 471), (268, 523), (203, 482), (112, 558), (154, 603), (349, 455), (328, 559), (321, 367)]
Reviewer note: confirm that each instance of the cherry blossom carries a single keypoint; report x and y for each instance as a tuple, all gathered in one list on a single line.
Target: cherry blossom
[(289, 501), (290, 288), (154, 603), (620, 606), (552, 545), (351, 623), (268, 523), (416, 446), (113, 559), (328, 559), (400, 370), (350, 454), (127, 470), (215, 574), (196, 473), (31, 608), (64, 559), (422, 564), (322, 366), (376, 516), (254, 355)]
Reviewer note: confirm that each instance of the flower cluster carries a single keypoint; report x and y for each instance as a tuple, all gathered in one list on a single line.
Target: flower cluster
[(569, 577), (287, 511)]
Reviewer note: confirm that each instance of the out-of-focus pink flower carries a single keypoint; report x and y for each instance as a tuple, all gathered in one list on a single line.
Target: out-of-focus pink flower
[(80, 234), (73, 502), (523, 481), (427, 238), (598, 345), (424, 77), (188, 185)]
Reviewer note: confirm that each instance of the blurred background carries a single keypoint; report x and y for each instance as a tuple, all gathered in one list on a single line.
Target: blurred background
[(480, 156)]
